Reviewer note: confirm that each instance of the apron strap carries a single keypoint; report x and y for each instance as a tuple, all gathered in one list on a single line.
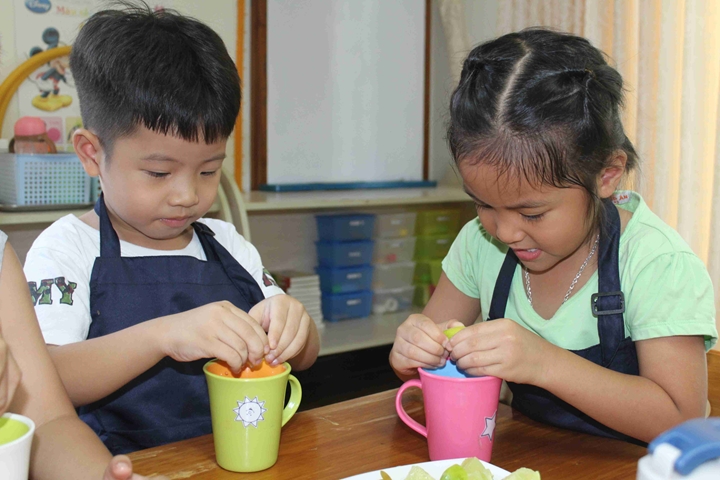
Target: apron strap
[(502, 286), (240, 277), (109, 241), (608, 305)]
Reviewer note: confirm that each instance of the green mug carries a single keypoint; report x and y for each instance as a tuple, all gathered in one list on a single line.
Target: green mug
[(247, 416)]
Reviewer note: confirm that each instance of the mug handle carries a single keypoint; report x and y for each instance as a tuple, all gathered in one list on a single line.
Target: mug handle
[(294, 402), (421, 429)]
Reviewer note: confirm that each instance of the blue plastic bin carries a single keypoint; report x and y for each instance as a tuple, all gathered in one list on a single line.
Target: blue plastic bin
[(345, 227), (341, 306), (347, 279), (344, 254)]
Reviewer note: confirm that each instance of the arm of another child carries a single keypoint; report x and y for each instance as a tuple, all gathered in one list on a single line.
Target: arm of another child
[(420, 342), (64, 447)]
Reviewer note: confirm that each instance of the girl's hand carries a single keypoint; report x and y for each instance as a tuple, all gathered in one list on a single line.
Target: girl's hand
[(218, 329), (503, 349), (120, 468), (9, 376), (288, 326), (420, 342)]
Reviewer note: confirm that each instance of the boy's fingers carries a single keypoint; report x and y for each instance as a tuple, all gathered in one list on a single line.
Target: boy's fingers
[(14, 378), (234, 354), (296, 343), (278, 312), (249, 331), (246, 318), (293, 321)]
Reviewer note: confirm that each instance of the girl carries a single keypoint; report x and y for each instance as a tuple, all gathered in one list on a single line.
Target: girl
[(601, 314), (63, 447)]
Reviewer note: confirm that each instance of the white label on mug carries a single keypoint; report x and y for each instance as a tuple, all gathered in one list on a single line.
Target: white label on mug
[(250, 412)]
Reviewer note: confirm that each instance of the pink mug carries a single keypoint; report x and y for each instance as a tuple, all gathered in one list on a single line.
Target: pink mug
[(460, 414)]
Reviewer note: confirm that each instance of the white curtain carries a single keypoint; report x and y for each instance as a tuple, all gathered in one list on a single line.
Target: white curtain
[(668, 52)]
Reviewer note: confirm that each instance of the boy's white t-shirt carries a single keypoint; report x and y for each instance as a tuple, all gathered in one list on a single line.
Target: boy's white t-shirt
[(60, 262)]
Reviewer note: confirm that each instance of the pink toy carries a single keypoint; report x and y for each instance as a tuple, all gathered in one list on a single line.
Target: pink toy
[(31, 137), (460, 414)]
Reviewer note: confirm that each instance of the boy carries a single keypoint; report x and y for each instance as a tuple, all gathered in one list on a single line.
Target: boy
[(158, 95)]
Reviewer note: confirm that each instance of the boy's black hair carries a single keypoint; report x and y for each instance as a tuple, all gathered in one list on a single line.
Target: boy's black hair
[(158, 69), (540, 105)]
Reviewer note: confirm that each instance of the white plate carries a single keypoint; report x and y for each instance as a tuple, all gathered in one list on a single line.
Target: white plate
[(435, 469)]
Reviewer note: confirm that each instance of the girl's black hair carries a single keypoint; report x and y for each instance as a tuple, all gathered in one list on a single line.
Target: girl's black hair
[(540, 105), (158, 69)]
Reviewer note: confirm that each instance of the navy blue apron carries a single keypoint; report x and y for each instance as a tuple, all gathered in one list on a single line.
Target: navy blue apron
[(615, 351), (169, 402)]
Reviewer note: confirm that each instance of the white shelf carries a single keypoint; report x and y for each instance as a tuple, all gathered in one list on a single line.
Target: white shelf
[(269, 201), (359, 333), (49, 216)]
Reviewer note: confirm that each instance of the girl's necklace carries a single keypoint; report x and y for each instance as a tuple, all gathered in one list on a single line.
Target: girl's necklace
[(528, 290)]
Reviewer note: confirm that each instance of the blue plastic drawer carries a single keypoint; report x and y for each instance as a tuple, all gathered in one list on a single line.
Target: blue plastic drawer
[(343, 280), (344, 254), (345, 227), (346, 305)]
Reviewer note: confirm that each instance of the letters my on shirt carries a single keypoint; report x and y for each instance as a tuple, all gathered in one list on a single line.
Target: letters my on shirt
[(43, 295)]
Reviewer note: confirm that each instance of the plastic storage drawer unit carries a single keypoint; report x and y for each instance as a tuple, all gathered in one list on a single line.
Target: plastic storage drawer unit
[(344, 254), (393, 250), (393, 275), (347, 279), (341, 306), (427, 272), (345, 227), (393, 299), (438, 222), (433, 247), (394, 225)]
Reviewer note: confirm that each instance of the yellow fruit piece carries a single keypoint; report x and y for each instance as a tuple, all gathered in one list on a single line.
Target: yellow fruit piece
[(450, 332), (455, 472), (417, 473), (524, 474), (476, 470)]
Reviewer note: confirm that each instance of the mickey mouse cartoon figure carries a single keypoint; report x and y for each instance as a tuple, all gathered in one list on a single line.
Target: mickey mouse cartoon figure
[(48, 81)]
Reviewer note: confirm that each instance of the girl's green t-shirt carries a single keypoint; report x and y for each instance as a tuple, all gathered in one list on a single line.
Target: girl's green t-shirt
[(667, 288)]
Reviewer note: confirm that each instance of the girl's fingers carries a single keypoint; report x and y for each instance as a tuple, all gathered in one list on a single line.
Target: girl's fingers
[(418, 355), (479, 359), (430, 328), (422, 340), (297, 343)]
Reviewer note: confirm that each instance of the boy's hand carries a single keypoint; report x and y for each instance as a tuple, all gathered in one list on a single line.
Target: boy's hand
[(504, 349), (287, 324), (120, 468), (219, 330), (9, 376), (420, 342)]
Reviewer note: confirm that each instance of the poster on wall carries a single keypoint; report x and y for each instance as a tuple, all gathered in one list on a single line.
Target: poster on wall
[(49, 92)]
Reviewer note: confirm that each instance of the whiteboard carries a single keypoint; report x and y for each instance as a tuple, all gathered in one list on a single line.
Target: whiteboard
[(345, 90)]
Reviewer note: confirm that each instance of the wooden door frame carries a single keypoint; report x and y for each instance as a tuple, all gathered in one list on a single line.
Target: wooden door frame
[(258, 93)]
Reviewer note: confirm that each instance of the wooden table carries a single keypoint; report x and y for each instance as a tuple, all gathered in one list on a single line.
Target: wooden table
[(365, 434)]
